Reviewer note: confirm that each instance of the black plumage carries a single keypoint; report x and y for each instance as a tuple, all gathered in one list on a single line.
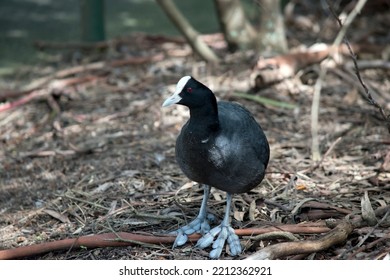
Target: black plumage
[(221, 146)]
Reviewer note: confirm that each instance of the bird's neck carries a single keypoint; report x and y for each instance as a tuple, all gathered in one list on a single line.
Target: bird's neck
[(204, 120)]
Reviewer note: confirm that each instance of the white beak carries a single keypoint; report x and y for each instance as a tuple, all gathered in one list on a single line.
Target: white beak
[(173, 99)]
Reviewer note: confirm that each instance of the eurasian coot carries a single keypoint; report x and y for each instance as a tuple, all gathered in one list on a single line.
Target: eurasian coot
[(220, 146)]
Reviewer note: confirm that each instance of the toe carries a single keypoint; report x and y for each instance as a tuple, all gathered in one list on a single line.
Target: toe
[(234, 243), (220, 241), (208, 238), (205, 241), (216, 253), (204, 227), (180, 240)]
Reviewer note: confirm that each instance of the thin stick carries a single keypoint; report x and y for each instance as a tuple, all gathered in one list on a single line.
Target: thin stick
[(318, 86), (343, 27), (315, 144)]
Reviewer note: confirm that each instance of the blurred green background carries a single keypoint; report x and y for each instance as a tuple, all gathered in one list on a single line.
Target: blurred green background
[(24, 21)]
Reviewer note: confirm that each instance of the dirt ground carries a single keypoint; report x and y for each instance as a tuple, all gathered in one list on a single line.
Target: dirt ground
[(98, 156)]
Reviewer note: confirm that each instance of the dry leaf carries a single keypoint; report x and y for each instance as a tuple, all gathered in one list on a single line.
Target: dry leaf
[(112, 207), (217, 196), (386, 162), (138, 184), (57, 215), (187, 185), (239, 215), (102, 188), (368, 213), (129, 173), (252, 209)]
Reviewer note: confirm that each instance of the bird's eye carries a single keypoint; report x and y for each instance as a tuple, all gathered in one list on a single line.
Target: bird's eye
[(189, 90)]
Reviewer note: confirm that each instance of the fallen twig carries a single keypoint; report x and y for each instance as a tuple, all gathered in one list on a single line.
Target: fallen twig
[(336, 236), (369, 246), (108, 64), (23, 100), (370, 64), (274, 235), (275, 69), (56, 83), (55, 86)]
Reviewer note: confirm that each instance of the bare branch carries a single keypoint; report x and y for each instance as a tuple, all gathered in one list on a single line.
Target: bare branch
[(342, 32), (191, 35)]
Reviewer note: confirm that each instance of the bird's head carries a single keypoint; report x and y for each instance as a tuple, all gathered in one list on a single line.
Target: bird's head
[(191, 93)]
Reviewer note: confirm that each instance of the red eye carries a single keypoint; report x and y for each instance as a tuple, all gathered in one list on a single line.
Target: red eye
[(189, 90)]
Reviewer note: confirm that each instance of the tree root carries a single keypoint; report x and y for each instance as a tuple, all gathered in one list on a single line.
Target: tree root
[(126, 239)]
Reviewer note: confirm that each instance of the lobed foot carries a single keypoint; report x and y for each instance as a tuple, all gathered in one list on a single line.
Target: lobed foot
[(200, 224), (224, 233)]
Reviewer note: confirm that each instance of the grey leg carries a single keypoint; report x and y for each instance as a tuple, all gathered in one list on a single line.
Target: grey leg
[(200, 224), (225, 233)]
